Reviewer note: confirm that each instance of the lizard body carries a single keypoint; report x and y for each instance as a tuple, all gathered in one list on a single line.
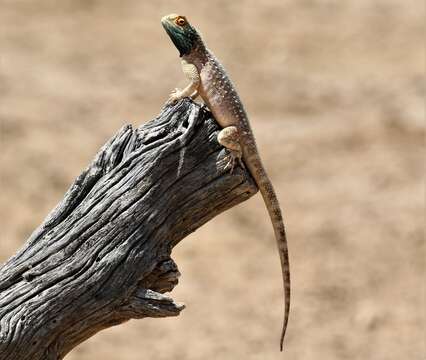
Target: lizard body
[(209, 80)]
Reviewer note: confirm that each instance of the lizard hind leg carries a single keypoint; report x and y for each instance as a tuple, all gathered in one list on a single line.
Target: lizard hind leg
[(229, 138)]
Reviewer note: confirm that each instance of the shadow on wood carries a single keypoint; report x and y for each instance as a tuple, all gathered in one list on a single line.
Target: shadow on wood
[(102, 256)]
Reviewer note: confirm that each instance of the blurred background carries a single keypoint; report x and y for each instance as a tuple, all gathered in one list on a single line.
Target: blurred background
[(335, 91)]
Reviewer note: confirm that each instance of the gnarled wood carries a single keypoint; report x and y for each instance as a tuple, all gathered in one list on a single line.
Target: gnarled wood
[(102, 256)]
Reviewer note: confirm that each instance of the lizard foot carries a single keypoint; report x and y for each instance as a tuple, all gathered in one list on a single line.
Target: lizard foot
[(229, 137), (233, 157), (176, 95)]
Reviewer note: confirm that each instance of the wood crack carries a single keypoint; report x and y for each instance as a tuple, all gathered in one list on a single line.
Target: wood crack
[(102, 256)]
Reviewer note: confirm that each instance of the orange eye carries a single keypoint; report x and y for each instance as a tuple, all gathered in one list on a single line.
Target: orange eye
[(180, 21)]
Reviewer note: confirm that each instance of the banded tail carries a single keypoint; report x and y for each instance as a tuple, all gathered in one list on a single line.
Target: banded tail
[(271, 201)]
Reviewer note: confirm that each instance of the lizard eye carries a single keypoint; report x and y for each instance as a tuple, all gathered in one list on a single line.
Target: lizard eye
[(180, 21)]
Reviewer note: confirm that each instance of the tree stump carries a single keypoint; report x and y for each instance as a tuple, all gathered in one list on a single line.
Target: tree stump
[(102, 256)]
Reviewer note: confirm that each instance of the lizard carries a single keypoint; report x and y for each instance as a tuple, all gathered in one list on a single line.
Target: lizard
[(208, 79)]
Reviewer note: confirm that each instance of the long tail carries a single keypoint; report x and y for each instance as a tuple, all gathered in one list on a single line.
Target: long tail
[(274, 210)]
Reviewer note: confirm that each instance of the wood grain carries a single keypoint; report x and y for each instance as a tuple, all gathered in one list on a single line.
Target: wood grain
[(102, 256)]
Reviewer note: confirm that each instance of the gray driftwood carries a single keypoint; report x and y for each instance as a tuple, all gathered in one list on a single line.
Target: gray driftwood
[(102, 256)]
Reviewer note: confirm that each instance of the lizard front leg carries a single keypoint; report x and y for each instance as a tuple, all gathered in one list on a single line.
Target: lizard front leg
[(229, 137), (191, 72)]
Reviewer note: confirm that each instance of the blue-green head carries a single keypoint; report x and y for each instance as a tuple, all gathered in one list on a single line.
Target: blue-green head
[(184, 36)]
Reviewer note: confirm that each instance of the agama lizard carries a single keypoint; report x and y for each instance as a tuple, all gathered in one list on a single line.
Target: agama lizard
[(209, 79)]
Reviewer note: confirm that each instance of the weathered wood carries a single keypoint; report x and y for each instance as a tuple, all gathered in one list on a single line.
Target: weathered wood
[(102, 256)]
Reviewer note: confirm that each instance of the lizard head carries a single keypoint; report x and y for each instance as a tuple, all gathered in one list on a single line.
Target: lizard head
[(183, 35)]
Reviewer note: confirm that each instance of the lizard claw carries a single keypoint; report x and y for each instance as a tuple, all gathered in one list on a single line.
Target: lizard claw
[(233, 157), (175, 95)]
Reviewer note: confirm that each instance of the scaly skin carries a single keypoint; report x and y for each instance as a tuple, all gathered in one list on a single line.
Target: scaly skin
[(209, 79)]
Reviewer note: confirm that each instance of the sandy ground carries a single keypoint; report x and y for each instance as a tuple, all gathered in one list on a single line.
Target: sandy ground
[(335, 91)]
